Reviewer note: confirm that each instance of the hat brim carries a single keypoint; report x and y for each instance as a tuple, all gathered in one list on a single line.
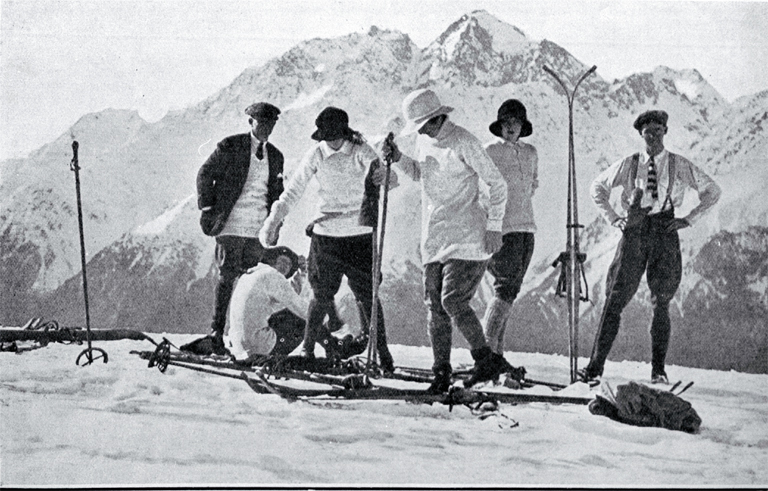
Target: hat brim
[(653, 116), (526, 130), (416, 124), (319, 135)]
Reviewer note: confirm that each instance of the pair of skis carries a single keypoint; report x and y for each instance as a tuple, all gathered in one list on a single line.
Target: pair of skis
[(349, 386), (455, 396), (572, 258)]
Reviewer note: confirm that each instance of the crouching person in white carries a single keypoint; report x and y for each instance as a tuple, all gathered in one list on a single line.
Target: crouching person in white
[(263, 291)]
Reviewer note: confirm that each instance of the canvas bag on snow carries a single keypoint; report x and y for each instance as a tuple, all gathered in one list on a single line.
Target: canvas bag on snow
[(640, 405)]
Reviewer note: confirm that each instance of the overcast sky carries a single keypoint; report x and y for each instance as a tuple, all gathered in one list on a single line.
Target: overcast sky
[(62, 59)]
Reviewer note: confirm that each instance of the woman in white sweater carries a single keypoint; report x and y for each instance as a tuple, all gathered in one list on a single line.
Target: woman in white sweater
[(342, 163)]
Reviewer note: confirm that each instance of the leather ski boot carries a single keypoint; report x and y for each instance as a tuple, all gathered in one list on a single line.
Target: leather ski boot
[(386, 361), (517, 373), (486, 367), (217, 340), (442, 380)]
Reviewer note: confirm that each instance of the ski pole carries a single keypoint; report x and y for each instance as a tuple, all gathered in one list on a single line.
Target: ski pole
[(75, 166), (378, 247), (572, 243)]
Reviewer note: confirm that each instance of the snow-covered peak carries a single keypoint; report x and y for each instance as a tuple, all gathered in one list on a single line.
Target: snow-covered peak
[(689, 83), (322, 70), (328, 54), (480, 49), (506, 38), (483, 31)]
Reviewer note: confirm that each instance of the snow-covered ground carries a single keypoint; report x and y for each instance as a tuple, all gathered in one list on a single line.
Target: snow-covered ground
[(122, 423)]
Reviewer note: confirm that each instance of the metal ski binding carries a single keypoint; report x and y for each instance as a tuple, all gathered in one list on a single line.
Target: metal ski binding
[(161, 356)]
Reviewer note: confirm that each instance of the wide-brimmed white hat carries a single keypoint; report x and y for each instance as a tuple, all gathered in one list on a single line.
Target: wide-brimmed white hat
[(419, 107)]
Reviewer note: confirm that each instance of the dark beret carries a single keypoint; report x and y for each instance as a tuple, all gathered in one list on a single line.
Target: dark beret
[(262, 110), (272, 253), (652, 116)]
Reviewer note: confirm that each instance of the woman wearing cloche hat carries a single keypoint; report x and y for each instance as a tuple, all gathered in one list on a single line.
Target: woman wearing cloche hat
[(518, 163), (343, 165), (457, 234)]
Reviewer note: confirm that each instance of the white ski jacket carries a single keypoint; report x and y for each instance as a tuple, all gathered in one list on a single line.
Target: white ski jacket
[(453, 219), (257, 295)]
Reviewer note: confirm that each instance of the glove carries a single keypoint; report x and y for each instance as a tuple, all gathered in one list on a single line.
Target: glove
[(269, 233), (211, 222)]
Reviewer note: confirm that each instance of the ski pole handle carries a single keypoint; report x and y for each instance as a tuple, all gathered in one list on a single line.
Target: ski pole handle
[(73, 165), (388, 140)]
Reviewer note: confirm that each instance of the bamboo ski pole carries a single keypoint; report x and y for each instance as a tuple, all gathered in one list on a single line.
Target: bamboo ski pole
[(378, 249), (75, 167), (572, 241)]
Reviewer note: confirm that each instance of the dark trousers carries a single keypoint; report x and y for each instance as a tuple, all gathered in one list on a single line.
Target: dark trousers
[(289, 329), (448, 289), (644, 248), (234, 256), (509, 265), (330, 259)]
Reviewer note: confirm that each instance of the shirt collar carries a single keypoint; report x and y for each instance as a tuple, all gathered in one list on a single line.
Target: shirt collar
[(497, 140), (657, 158), (327, 151), (255, 143), (516, 145)]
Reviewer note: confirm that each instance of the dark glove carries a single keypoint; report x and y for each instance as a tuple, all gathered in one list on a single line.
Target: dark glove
[(211, 222)]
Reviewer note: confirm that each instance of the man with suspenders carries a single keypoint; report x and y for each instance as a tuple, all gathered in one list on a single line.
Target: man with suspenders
[(654, 184)]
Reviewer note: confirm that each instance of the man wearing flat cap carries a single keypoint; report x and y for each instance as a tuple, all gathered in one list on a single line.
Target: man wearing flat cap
[(653, 184), (236, 187), (458, 235)]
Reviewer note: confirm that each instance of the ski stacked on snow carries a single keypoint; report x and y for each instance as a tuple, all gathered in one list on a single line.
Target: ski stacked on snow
[(278, 379), (455, 396), (425, 375), (37, 333)]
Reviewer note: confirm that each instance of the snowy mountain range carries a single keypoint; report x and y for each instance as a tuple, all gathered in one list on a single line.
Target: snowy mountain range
[(150, 268)]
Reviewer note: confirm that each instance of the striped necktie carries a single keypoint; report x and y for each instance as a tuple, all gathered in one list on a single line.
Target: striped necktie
[(653, 179), (260, 151)]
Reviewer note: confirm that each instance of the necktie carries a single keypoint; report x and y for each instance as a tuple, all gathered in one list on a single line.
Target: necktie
[(260, 151), (653, 180)]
